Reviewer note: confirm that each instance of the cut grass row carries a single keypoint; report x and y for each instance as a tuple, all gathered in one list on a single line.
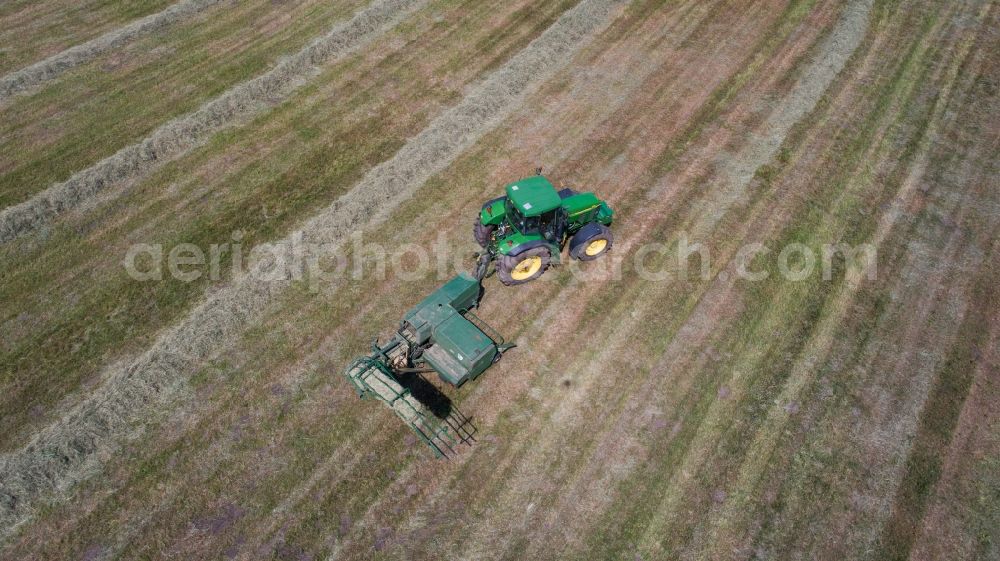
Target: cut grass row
[(56, 65), (31, 31), (952, 384), (832, 363), (854, 372), (122, 96), (808, 381), (938, 422)]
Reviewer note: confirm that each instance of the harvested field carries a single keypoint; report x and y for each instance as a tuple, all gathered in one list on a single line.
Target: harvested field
[(697, 413)]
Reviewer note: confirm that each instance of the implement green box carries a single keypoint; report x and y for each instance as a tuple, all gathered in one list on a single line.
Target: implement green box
[(460, 350)]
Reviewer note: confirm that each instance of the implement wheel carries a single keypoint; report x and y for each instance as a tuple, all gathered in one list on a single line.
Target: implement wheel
[(523, 267), (591, 242)]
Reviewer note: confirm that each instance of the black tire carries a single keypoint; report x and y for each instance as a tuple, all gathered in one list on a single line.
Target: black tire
[(588, 235), (507, 265), (482, 233)]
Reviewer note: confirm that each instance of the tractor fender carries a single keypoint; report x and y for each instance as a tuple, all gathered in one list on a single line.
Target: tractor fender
[(489, 218), (491, 201), (526, 246), (520, 248)]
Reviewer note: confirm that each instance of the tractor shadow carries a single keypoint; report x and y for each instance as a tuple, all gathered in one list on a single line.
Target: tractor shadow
[(440, 405)]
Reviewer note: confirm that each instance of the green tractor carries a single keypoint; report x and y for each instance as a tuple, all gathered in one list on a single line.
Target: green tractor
[(525, 231)]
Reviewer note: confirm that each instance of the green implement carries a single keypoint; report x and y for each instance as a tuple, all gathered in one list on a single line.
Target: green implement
[(442, 335)]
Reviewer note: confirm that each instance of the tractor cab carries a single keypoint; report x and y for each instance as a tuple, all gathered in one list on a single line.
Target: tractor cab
[(533, 205), (525, 230)]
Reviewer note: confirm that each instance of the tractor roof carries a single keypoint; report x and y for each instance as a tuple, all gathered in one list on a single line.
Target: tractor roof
[(533, 195)]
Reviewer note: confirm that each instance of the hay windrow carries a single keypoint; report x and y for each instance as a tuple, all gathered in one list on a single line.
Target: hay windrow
[(54, 66), (176, 137), (71, 449)]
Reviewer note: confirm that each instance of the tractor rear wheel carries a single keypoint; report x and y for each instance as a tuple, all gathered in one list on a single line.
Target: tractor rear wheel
[(482, 233), (591, 242), (523, 267)]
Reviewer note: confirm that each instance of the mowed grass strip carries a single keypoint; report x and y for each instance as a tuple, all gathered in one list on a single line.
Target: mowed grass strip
[(912, 109), (58, 64), (953, 380), (943, 504), (875, 321), (959, 520), (694, 406), (31, 31), (848, 315), (121, 97), (937, 424)]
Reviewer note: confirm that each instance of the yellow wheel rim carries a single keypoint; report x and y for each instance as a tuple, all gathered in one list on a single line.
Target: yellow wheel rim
[(526, 268), (595, 247)]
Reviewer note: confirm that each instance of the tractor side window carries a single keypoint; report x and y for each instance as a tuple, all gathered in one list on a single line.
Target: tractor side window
[(529, 225), (551, 224)]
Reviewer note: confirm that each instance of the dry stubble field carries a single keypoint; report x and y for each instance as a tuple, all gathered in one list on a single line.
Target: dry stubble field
[(683, 417)]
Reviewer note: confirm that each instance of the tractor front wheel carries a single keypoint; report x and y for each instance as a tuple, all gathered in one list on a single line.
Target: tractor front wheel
[(591, 242), (482, 233), (523, 267)]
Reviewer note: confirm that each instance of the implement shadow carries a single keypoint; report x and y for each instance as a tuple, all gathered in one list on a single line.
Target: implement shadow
[(439, 404)]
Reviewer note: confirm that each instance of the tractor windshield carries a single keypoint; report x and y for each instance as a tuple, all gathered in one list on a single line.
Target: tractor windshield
[(525, 225)]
